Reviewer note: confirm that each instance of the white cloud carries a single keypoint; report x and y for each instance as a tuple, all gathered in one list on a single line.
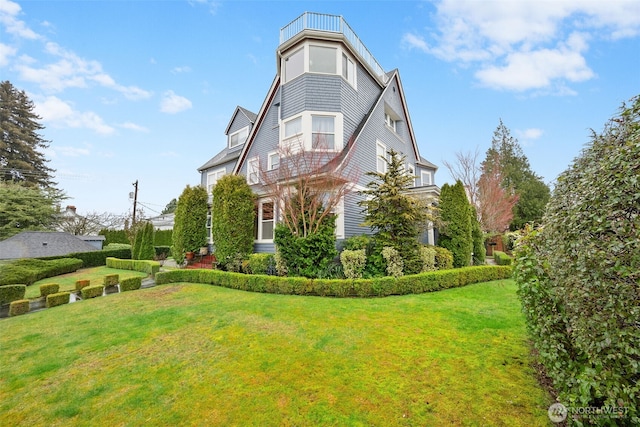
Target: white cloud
[(521, 45), (211, 4), (183, 69), (530, 134), (5, 53), (172, 103), (133, 126), (9, 12), (72, 151), (60, 113)]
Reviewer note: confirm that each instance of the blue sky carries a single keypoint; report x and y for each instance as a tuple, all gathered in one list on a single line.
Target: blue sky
[(143, 90)]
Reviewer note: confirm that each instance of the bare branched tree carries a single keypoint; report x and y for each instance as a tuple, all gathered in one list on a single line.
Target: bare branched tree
[(495, 202), (307, 185), (90, 223), (466, 169)]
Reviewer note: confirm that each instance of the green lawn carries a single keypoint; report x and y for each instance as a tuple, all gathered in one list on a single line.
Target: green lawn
[(188, 354), (67, 282)]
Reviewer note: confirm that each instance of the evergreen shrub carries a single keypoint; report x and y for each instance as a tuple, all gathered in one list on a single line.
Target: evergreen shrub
[(92, 291), (48, 289), (60, 298), (9, 293), (19, 307)]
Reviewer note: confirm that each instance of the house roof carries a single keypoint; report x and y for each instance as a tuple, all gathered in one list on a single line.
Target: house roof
[(222, 157), (427, 163), (35, 244), (248, 114)]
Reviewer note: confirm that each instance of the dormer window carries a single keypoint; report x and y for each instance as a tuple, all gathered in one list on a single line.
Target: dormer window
[(390, 122), (239, 137)]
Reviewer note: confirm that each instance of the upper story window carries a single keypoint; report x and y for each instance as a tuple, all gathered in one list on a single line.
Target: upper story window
[(322, 59), (323, 132), (294, 65), (253, 171), (427, 178), (213, 177), (239, 137), (292, 137), (390, 121), (411, 171), (273, 160), (381, 158), (319, 58)]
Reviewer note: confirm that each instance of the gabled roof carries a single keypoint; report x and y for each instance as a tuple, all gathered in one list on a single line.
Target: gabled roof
[(35, 244), (427, 163), (248, 114), (222, 157)]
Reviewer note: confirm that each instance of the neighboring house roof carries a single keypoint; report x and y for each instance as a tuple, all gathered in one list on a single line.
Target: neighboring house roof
[(96, 238), (163, 222), (248, 114), (222, 157), (35, 244)]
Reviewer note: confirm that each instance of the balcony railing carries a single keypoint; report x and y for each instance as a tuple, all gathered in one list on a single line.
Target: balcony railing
[(332, 24)]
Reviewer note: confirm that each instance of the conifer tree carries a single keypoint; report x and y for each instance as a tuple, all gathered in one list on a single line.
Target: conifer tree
[(456, 226)]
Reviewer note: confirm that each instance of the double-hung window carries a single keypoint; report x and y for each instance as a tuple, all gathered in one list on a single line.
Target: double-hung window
[(294, 65), (213, 177), (239, 137), (381, 158), (426, 178), (265, 219), (323, 132), (253, 171), (411, 171), (292, 138), (348, 70), (273, 160)]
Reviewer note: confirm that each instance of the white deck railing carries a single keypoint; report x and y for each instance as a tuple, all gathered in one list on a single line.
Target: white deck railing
[(332, 24)]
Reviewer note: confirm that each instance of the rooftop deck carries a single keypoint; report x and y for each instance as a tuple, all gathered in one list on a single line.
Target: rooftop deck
[(332, 24)]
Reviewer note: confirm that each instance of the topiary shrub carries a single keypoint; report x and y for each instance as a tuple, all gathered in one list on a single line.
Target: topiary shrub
[(9, 293), (80, 284), (110, 280), (130, 284), (190, 222), (28, 271), (353, 263), (19, 307), (144, 266), (455, 228), (578, 276), (92, 291), (444, 258), (60, 298), (48, 289), (501, 258)]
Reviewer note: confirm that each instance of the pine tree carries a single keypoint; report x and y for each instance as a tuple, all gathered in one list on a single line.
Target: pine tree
[(456, 226), (21, 145), (393, 214)]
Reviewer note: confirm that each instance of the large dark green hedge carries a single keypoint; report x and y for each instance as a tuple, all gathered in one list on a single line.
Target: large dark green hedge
[(456, 226), (95, 258), (9, 293), (145, 266), (378, 287), (579, 276), (28, 271), (114, 236)]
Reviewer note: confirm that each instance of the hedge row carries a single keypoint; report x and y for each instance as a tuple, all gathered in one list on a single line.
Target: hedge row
[(19, 307), (130, 284), (28, 271), (9, 293), (378, 287), (60, 298), (145, 266), (96, 258), (92, 291), (502, 258), (48, 289)]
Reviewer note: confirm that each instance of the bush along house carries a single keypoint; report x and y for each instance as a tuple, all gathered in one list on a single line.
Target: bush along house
[(332, 104)]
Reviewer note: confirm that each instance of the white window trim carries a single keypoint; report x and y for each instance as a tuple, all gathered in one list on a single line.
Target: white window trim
[(339, 213), (353, 83), (259, 238), (305, 138), (378, 157), (231, 135), (269, 163), (429, 176), (211, 174), (411, 170), (253, 168)]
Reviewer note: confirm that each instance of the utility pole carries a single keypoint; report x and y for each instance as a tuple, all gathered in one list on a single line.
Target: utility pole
[(135, 201)]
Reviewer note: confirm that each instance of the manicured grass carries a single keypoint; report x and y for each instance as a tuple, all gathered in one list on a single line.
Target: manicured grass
[(188, 354), (67, 282)]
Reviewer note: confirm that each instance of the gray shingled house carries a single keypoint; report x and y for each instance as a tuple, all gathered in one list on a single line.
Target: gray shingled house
[(327, 83), (35, 244)]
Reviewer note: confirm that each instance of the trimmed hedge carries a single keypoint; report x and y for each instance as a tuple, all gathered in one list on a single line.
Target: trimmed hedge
[(502, 258), (95, 258), (54, 300), (92, 291), (162, 251), (145, 266), (48, 289), (111, 280), (10, 293), (28, 271), (19, 307), (81, 284), (377, 287), (261, 263), (130, 284)]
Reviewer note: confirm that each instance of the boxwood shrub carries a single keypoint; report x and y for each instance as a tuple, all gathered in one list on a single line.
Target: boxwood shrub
[(48, 289), (377, 287), (9, 293), (145, 266), (60, 298), (92, 291), (18, 307), (130, 284), (111, 280), (96, 258), (502, 258)]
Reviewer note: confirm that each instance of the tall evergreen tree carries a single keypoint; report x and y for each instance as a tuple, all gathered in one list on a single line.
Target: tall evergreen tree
[(21, 145), (456, 223), (393, 214), (517, 175), (24, 208), (190, 223)]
